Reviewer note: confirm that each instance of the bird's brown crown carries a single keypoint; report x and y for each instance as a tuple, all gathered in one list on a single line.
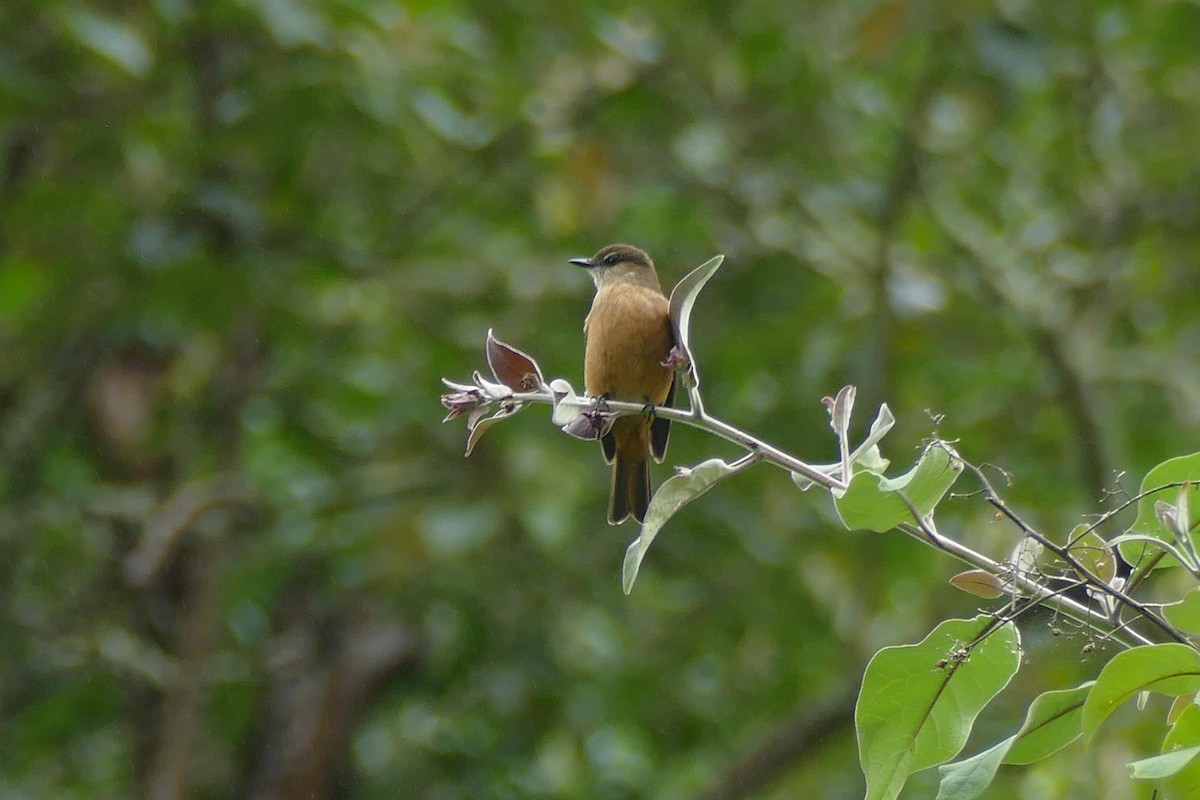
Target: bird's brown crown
[(616, 254), (620, 264)]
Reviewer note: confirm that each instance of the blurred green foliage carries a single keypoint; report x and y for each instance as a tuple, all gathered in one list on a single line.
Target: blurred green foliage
[(241, 240)]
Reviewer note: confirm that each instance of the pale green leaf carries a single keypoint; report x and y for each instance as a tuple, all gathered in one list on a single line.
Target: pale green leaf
[(675, 492), (865, 458), (883, 422), (874, 503), (840, 411), (1162, 766), (683, 297), (1184, 735)]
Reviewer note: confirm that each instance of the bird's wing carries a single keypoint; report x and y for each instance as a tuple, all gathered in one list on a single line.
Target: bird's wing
[(660, 429)]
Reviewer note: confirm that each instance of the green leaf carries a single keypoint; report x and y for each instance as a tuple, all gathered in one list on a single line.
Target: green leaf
[(1171, 471), (1171, 669), (1162, 766), (683, 297), (1054, 721), (918, 702), (967, 779), (874, 503), (1051, 724), (1185, 614), (675, 492), (1184, 782)]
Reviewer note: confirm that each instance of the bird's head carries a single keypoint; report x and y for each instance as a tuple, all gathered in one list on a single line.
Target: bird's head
[(620, 263)]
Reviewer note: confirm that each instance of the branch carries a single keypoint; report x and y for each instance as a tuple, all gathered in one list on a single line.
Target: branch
[(1081, 569), (696, 418), (519, 381), (926, 532), (923, 530), (485, 402)]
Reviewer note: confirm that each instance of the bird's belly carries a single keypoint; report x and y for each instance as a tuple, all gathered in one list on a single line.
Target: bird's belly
[(628, 337)]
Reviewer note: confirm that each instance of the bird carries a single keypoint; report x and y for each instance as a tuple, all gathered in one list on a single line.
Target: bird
[(628, 338)]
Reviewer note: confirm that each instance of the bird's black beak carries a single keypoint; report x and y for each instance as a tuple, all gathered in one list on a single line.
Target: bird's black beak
[(581, 262)]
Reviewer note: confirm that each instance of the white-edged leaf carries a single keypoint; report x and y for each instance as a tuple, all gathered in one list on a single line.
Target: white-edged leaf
[(804, 483), (683, 297), (841, 407), (513, 368), (1151, 545), (564, 412), (864, 458), (675, 492), (870, 460), (481, 427), (883, 423)]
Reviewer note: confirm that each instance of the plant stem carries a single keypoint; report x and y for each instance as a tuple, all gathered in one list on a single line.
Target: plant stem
[(923, 530), (697, 417)]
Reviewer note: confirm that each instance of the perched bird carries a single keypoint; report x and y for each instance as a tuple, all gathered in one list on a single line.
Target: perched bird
[(629, 336)]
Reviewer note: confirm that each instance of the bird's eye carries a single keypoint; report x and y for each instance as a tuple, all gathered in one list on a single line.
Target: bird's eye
[(612, 259)]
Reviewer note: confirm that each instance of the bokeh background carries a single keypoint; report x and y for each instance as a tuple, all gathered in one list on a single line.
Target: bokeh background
[(242, 240)]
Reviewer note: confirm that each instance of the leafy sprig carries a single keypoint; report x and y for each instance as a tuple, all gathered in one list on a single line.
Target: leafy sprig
[(918, 702)]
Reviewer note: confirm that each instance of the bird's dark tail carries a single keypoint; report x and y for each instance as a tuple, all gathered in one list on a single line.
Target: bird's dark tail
[(630, 494)]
